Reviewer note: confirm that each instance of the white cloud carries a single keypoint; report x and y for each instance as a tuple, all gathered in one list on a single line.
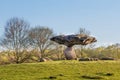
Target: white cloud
[(104, 44)]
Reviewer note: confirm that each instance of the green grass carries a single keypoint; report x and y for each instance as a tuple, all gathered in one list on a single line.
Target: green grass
[(62, 70)]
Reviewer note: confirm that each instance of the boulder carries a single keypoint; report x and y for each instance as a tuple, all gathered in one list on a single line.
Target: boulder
[(45, 59), (107, 58), (88, 59)]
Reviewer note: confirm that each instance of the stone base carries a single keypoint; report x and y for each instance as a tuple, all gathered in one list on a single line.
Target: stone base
[(70, 53)]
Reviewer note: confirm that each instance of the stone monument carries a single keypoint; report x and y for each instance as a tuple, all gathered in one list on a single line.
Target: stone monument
[(70, 41)]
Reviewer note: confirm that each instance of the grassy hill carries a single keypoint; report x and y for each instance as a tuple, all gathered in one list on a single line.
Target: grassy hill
[(62, 70)]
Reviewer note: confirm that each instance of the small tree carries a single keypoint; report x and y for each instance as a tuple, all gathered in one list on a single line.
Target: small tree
[(39, 38), (59, 52), (16, 38)]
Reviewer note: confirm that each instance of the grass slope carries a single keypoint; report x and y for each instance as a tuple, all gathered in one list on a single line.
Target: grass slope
[(62, 70)]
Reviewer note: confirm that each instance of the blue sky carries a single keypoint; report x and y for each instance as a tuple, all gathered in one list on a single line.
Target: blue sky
[(100, 17)]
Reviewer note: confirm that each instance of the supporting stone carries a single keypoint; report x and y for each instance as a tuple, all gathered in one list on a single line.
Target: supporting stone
[(69, 53)]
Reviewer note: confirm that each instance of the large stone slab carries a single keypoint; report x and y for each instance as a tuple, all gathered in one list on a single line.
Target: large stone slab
[(70, 40)]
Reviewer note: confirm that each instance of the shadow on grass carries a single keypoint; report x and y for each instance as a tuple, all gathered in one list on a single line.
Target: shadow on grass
[(51, 77), (60, 75), (91, 77), (105, 74), (97, 76)]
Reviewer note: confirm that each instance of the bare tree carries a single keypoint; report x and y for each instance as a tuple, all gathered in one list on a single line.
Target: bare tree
[(16, 38), (81, 47), (39, 37), (84, 31)]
